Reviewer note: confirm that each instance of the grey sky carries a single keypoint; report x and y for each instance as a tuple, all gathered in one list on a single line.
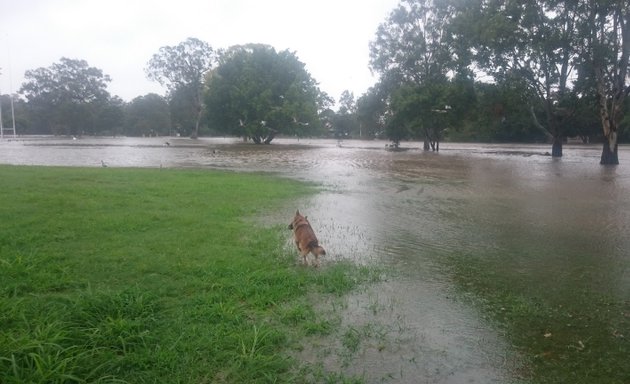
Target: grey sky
[(119, 36)]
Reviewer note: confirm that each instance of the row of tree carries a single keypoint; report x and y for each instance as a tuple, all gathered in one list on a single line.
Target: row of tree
[(484, 70), (251, 91), (562, 62)]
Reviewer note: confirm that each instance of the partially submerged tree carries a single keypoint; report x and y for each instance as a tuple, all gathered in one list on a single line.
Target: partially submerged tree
[(257, 93), (413, 55), (531, 41), (344, 121), (606, 31), (181, 69), (370, 113)]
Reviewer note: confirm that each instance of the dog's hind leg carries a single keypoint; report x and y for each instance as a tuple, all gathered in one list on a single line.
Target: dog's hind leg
[(304, 253)]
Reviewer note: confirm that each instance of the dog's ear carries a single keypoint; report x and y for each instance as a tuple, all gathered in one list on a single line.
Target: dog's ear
[(297, 212)]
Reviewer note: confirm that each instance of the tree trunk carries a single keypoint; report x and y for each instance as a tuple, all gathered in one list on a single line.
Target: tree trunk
[(556, 140), (195, 133), (556, 147), (609, 152), (427, 146)]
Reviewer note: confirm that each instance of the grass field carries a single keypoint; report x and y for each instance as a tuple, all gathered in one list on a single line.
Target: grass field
[(145, 276)]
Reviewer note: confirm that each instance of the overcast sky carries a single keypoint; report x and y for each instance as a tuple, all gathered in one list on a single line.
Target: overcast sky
[(119, 36)]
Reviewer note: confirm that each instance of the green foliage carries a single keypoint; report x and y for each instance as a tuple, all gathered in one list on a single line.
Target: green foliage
[(535, 42), (344, 122), (256, 93), (555, 49), (147, 116), (183, 113), (67, 97), (370, 112), (181, 69), (111, 118), (428, 110), (122, 275), (411, 45)]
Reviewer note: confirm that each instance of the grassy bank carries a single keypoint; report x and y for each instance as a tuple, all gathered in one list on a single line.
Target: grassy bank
[(144, 276)]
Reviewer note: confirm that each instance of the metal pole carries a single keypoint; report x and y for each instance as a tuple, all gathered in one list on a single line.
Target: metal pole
[(1, 127), (12, 115)]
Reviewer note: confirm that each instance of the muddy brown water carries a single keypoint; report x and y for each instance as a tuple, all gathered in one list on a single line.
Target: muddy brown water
[(407, 210)]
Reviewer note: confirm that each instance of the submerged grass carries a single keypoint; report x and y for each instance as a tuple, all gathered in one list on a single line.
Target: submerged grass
[(571, 333), (127, 275)]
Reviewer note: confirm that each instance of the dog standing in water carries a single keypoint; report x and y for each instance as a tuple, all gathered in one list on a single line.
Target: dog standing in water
[(305, 238)]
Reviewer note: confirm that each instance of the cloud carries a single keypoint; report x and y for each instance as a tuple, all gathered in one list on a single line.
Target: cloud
[(330, 36)]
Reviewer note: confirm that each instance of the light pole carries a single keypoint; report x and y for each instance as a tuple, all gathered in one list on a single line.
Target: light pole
[(1, 126)]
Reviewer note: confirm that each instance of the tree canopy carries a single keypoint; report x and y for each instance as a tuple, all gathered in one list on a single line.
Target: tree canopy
[(66, 97), (256, 92), (181, 69), (487, 70), (565, 57), (147, 115)]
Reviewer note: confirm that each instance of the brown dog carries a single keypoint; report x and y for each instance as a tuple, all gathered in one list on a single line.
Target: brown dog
[(305, 238)]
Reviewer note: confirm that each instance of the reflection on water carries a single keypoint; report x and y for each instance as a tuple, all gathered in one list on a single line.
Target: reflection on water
[(410, 208)]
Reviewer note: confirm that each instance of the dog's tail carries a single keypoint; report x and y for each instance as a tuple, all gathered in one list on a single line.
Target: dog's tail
[(317, 249)]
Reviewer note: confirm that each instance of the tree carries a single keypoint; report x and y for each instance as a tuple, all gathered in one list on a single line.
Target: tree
[(256, 93), (371, 107), (181, 69), (422, 111), (183, 116), (111, 117), (345, 122), (411, 46), (530, 40), (147, 115), (606, 30), (413, 55), (15, 110), (499, 114), (347, 104), (67, 96)]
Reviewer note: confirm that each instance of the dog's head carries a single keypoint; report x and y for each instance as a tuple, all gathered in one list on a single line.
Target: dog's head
[(297, 219)]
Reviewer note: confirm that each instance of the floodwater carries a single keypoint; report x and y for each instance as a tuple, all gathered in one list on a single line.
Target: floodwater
[(408, 210)]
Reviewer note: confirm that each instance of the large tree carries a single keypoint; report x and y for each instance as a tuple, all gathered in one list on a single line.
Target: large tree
[(606, 30), (414, 55), (111, 117), (344, 121), (147, 115), (531, 41), (181, 69), (66, 97), (256, 92), (411, 46), (371, 107)]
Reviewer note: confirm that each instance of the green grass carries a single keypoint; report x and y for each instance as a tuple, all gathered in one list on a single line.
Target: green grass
[(566, 330), (145, 276)]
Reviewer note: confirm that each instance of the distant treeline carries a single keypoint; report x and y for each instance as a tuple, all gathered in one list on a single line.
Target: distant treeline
[(490, 71)]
